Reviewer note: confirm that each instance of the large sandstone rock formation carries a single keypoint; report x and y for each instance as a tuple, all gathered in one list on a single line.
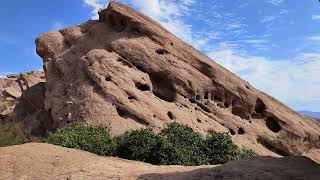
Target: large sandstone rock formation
[(12, 88), (126, 71), (22, 102), (44, 161)]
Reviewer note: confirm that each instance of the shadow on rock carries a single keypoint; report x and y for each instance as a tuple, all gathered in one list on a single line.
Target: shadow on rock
[(257, 168)]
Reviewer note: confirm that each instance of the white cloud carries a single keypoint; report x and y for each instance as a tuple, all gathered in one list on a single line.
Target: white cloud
[(5, 74), (309, 56), (276, 2), (290, 81), (316, 17), (295, 80), (268, 19), (314, 38), (96, 5), (168, 12)]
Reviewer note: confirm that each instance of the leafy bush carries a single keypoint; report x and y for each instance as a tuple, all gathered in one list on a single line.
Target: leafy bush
[(142, 145), (182, 146), (247, 153), (85, 137), (174, 145), (220, 149), (11, 132)]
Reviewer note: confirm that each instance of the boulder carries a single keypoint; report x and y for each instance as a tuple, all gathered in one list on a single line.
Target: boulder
[(43, 161), (127, 72)]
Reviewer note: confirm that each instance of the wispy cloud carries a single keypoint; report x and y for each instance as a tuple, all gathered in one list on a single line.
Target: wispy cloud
[(268, 19), (285, 79), (276, 2), (5, 74), (96, 5), (316, 17), (169, 13), (309, 56), (314, 38), (294, 80)]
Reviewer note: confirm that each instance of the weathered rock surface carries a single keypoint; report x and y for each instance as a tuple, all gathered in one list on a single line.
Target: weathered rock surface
[(44, 161), (126, 71), (12, 87)]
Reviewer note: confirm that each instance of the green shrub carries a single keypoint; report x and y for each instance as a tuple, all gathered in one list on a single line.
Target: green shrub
[(182, 146), (220, 149), (247, 153), (142, 145), (174, 145), (11, 133), (85, 137)]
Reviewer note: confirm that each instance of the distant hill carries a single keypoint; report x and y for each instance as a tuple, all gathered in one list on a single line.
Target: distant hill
[(315, 115)]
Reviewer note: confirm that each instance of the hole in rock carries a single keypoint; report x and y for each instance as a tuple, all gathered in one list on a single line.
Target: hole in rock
[(226, 105), (120, 112), (192, 100), (142, 87), (140, 68), (215, 98), (305, 139), (162, 87), (127, 114), (171, 44), (206, 96), (198, 97), (260, 106), (241, 131), (204, 107), (131, 97), (108, 78), (232, 132), (247, 87), (161, 51), (170, 115), (199, 120), (68, 43), (123, 22), (271, 147), (241, 112), (273, 124)]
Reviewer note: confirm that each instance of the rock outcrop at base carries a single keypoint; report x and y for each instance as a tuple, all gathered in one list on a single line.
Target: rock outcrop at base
[(12, 87), (126, 71), (22, 100), (44, 161)]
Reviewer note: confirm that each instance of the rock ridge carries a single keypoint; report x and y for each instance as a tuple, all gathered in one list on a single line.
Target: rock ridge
[(126, 71)]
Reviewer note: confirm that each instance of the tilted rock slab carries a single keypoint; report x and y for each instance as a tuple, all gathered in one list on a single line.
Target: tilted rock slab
[(126, 71), (43, 161)]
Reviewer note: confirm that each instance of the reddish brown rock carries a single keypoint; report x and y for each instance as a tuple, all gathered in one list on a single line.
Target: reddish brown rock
[(44, 161), (126, 71), (12, 87)]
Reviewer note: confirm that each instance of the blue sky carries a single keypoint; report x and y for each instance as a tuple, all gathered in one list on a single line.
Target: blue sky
[(273, 44)]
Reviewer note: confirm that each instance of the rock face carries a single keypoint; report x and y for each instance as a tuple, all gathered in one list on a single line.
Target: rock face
[(126, 71), (12, 87), (44, 161), (22, 100)]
